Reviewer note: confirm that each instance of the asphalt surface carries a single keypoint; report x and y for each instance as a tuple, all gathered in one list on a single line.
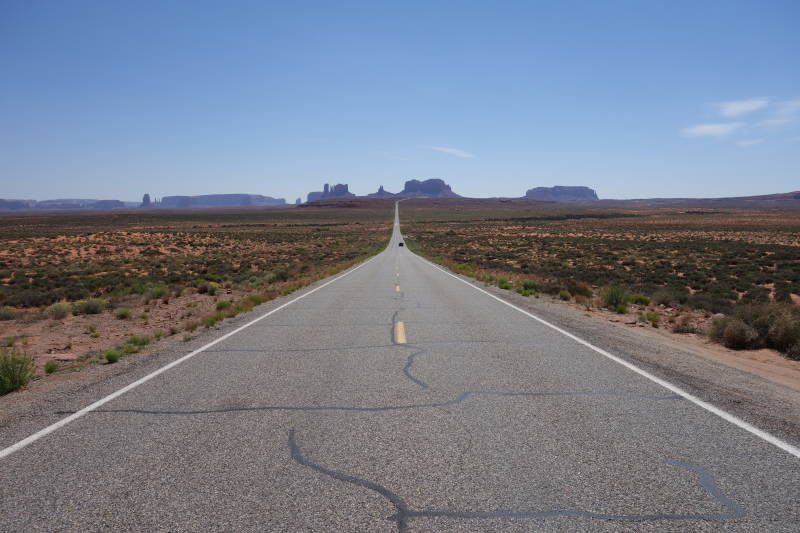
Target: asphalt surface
[(319, 418)]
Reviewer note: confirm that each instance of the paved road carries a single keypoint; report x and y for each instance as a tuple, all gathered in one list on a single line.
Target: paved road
[(319, 417)]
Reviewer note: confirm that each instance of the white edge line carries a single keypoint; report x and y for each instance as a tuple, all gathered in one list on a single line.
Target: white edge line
[(77, 414), (772, 439)]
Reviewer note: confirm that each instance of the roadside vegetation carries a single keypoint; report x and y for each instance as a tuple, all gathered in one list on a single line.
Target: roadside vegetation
[(72, 284), (733, 275)]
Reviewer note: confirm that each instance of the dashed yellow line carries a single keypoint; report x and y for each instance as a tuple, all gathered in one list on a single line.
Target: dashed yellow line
[(399, 333)]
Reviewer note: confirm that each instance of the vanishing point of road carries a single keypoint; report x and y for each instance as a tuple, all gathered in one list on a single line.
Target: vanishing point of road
[(397, 397)]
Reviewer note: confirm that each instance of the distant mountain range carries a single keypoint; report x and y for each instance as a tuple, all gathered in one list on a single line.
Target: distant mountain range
[(430, 188)]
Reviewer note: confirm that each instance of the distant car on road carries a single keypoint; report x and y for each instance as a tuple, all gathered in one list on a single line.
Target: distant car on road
[(400, 244)]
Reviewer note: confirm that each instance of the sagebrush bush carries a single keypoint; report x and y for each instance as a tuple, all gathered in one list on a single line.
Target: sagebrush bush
[(112, 356), (531, 285), (614, 296), (123, 313), (685, 325), (50, 366), (734, 333), (504, 284), (565, 295), (639, 299), (16, 369), (88, 307), (58, 311)]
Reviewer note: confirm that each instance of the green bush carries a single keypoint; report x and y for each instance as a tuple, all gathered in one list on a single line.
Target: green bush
[(7, 313), (156, 291), (211, 320), (87, 307), (504, 284), (112, 356), (621, 309), (565, 295), (139, 340), (639, 299), (50, 366), (256, 299), (651, 317), (531, 285), (224, 304), (58, 311), (16, 369), (123, 313), (614, 296)]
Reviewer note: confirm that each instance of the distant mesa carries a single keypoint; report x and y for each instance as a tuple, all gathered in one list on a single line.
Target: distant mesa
[(382, 193), (340, 190), (219, 200), (71, 203), (432, 188), (562, 193)]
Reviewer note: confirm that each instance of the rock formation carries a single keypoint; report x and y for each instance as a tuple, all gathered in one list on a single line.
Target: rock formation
[(340, 190), (146, 200), (561, 193), (220, 200), (432, 188), (382, 193)]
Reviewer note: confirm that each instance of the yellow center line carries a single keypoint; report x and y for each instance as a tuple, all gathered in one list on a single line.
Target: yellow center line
[(399, 333)]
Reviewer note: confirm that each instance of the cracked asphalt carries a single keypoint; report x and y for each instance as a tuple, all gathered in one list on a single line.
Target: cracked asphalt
[(314, 419)]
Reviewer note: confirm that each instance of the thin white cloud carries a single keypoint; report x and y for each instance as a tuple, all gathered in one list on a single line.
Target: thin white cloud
[(738, 108), (788, 109), (774, 123), (719, 129), (451, 151), (746, 143)]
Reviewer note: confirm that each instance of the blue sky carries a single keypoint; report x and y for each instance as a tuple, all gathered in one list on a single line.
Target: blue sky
[(113, 99)]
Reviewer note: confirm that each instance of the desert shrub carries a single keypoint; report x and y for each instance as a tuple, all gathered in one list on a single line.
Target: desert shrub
[(734, 333), (224, 304), (794, 352), (684, 325), (113, 355), (191, 325), (551, 288), (211, 320), (639, 299), (531, 285), (16, 369), (579, 289), (256, 299), (621, 309), (504, 284), (564, 295), (58, 311), (123, 313), (651, 317), (279, 275), (783, 331), (156, 291), (87, 307), (7, 313), (50, 366), (158, 334), (139, 340), (614, 296)]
